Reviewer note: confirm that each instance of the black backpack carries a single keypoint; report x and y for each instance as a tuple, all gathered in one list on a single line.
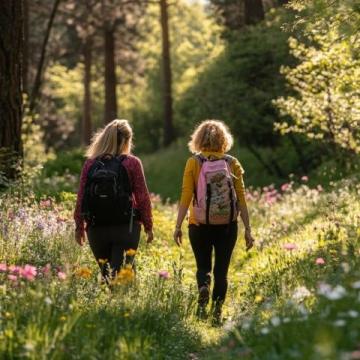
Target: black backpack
[(107, 197)]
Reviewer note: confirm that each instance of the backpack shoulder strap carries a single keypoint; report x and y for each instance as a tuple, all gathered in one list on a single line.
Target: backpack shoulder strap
[(228, 158), (122, 157), (123, 173), (200, 158), (94, 167)]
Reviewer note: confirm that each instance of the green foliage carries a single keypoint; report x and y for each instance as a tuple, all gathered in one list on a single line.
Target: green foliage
[(35, 154), (62, 109), (326, 104), (67, 161), (164, 168), (60, 175), (240, 84), (324, 15), (195, 43)]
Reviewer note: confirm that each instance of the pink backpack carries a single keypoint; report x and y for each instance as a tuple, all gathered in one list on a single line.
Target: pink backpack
[(215, 197)]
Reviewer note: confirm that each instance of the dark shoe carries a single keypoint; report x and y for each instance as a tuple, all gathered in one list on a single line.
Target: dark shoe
[(217, 320), (204, 295)]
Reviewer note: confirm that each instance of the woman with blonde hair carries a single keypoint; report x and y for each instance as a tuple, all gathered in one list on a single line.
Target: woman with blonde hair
[(113, 199), (214, 190)]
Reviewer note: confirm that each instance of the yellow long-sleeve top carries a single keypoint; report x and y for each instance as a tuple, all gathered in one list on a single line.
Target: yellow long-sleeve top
[(191, 176)]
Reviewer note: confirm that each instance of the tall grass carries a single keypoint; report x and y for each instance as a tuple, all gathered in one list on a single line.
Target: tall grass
[(294, 296)]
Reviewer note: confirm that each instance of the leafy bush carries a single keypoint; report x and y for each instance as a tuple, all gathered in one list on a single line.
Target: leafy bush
[(65, 162), (326, 80), (241, 83)]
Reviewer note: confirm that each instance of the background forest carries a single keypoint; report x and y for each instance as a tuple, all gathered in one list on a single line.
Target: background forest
[(284, 75)]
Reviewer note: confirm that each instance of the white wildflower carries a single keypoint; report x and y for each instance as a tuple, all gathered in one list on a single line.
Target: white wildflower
[(264, 330), (302, 310), (275, 321), (331, 293), (48, 301), (346, 267), (301, 293), (356, 285), (246, 325), (29, 346), (340, 322), (353, 313), (229, 325)]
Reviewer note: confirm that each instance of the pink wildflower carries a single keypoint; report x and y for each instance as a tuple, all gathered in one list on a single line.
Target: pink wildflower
[(290, 246), (12, 277), (29, 272), (319, 261), (355, 354), (305, 178), (45, 203), (319, 188), (285, 187), (14, 269), (11, 215), (61, 275), (164, 274), (3, 267)]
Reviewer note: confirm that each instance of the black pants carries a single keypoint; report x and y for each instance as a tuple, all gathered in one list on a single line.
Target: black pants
[(109, 244), (205, 238)]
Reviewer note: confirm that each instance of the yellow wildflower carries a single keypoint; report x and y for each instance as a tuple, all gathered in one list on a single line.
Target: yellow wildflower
[(9, 333), (258, 299), (62, 318), (7, 315), (130, 252), (124, 276), (83, 272)]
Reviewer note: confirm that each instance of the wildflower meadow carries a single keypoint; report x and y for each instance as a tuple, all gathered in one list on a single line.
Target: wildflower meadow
[(296, 295), (122, 93)]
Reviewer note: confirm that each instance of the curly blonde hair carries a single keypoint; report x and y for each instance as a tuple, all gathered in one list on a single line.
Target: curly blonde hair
[(211, 135), (114, 139)]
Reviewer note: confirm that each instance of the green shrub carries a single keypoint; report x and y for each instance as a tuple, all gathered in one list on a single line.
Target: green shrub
[(65, 162)]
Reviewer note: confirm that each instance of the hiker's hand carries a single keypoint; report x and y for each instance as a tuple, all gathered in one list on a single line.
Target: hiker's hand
[(150, 236), (249, 239), (178, 236), (80, 237)]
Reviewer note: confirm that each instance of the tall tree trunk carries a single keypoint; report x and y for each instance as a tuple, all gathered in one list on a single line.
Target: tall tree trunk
[(254, 11), (87, 123), (25, 65), (110, 76), (11, 46), (39, 73), (167, 76)]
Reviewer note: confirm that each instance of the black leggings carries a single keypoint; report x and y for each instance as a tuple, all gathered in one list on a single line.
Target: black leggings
[(203, 239), (109, 244)]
